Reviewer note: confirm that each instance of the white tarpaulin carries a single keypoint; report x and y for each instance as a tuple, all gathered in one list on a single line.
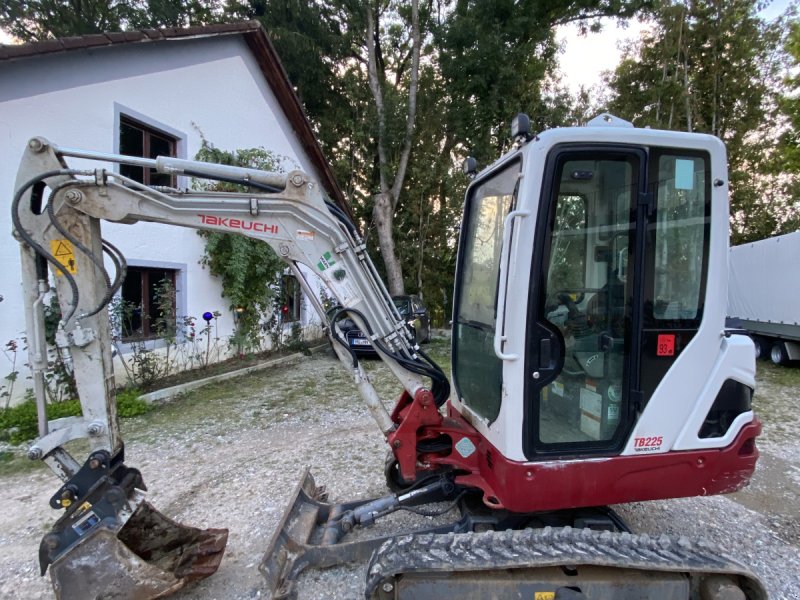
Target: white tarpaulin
[(764, 280)]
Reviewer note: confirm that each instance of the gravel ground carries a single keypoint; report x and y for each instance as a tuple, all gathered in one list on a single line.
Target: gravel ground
[(230, 455)]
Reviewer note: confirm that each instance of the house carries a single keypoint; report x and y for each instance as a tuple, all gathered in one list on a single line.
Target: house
[(147, 93)]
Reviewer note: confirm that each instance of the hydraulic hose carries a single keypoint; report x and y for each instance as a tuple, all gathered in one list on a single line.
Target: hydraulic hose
[(17, 222)]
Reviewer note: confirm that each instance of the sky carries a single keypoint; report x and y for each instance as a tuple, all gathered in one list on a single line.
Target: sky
[(586, 57)]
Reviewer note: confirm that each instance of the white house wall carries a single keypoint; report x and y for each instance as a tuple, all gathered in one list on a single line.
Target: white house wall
[(209, 85)]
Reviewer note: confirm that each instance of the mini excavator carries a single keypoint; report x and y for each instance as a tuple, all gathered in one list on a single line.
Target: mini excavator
[(591, 366)]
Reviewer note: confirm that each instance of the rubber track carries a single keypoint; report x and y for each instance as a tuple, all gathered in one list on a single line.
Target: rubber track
[(553, 547)]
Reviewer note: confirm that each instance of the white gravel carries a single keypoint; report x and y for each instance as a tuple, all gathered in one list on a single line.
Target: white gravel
[(230, 455)]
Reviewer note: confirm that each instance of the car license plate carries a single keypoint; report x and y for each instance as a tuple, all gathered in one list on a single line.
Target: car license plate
[(359, 342)]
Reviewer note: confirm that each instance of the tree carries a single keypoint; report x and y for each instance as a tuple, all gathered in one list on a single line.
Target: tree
[(710, 66), (37, 20), (790, 140), (498, 59), (791, 100)]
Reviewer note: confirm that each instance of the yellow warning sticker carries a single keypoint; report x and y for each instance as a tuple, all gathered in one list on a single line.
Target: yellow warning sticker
[(63, 252), (544, 595)]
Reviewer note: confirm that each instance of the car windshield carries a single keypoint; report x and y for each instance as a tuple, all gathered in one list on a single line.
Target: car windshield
[(403, 305)]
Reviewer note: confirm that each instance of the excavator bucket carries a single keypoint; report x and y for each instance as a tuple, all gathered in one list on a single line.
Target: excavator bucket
[(150, 556)]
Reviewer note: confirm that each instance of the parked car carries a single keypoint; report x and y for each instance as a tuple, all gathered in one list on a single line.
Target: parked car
[(413, 310), (410, 308)]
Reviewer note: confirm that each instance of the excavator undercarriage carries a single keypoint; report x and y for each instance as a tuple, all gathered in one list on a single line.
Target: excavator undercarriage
[(581, 554)]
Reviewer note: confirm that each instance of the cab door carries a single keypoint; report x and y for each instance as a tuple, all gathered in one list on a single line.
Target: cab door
[(585, 298)]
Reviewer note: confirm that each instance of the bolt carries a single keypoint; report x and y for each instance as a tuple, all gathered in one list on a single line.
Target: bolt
[(36, 144), (51, 540), (347, 526), (73, 196), (297, 179), (95, 429), (95, 463), (114, 496), (396, 444), (388, 587), (34, 453), (284, 250)]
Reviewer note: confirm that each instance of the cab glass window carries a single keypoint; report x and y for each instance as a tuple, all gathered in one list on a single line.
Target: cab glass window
[(680, 238), (477, 371)]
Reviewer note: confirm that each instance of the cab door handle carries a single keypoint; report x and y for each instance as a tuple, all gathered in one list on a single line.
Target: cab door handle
[(545, 353)]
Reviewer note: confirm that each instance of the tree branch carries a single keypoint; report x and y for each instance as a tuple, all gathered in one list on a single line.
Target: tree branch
[(412, 103), (377, 94)]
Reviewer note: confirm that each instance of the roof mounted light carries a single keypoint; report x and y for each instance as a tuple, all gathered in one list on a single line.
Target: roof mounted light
[(521, 127), (470, 166)]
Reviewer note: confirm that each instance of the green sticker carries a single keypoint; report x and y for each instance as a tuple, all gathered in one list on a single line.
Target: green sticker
[(325, 261)]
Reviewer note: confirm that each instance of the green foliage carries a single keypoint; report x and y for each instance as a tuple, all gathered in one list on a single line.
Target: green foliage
[(789, 148), (19, 423), (714, 67), (247, 267), (130, 403), (59, 378), (791, 100), (481, 63), (36, 20)]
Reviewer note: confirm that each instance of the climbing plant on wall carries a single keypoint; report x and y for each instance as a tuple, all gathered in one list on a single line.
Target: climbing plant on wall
[(248, 268)]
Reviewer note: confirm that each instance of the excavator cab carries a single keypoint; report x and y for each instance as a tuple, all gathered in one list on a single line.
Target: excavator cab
[(589, 311)]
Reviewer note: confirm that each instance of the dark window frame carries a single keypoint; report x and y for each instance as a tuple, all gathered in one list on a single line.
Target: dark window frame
[(141, 174), (291, 299), (144, 305), (533, 448)]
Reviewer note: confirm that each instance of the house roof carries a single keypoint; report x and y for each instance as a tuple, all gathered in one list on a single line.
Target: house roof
[(259, 44)]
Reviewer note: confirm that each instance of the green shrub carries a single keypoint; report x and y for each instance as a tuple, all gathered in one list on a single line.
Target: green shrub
[(19, 423), (130, 404)]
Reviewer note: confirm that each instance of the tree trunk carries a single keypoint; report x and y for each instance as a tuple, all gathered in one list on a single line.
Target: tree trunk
[(385, 202), (383, 215)]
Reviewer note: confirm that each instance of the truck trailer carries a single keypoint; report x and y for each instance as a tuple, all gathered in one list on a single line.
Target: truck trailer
[(764, 295)]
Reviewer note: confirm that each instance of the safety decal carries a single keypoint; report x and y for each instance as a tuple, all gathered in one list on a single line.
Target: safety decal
[(544, 595), (465, 447), (86, 522), (302, 234), (63, 252), (665, 346), (326, 261)]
